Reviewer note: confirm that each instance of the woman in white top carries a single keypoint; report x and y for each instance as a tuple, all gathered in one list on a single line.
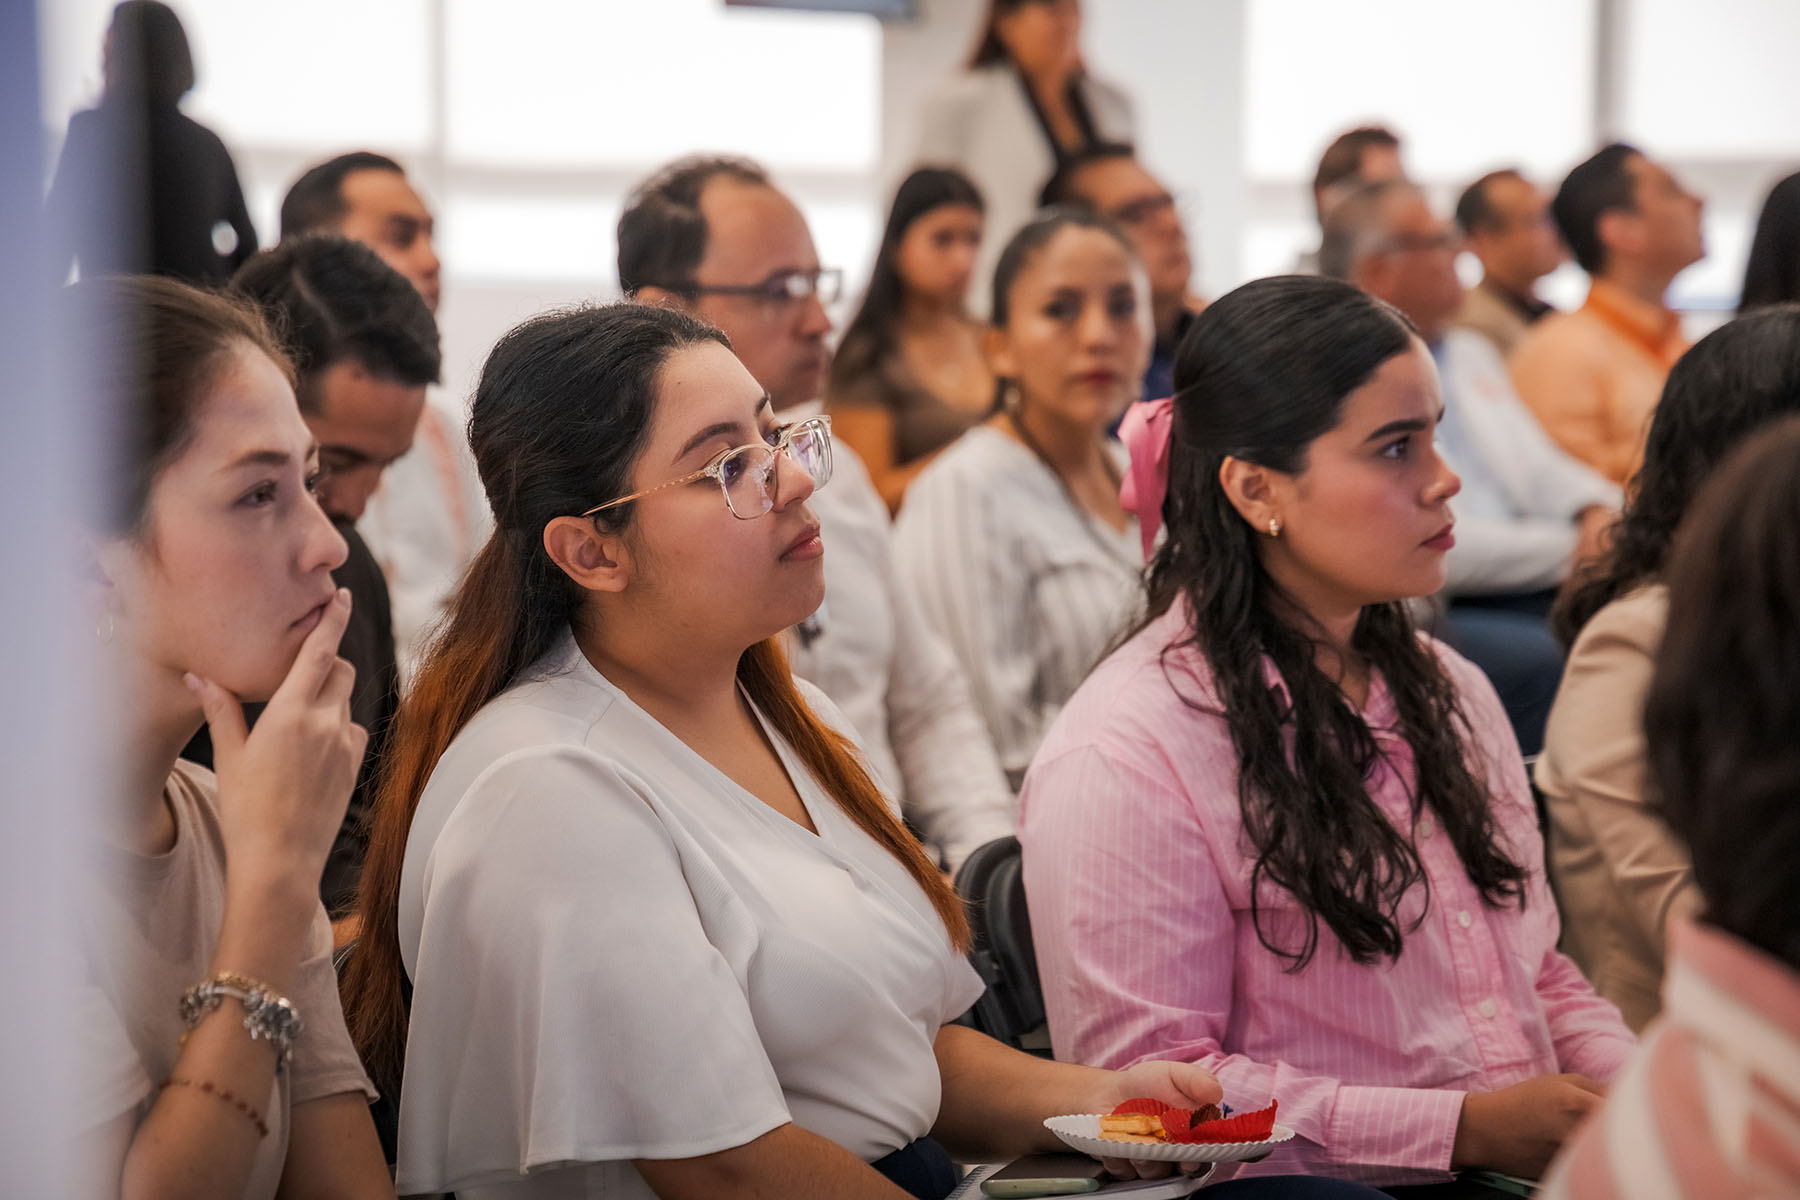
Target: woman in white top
[(1014, 540), (664, 934), (1024, 105), (202, 937)]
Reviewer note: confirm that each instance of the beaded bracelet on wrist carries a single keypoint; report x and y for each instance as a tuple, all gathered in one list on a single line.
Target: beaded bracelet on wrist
[(267, 1013)]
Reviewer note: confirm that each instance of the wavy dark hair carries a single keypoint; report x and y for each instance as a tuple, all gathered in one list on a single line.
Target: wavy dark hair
[(870, 336), (561, 413), (1720, 715), (1731, 383), (1772, 274), (1260, 375)]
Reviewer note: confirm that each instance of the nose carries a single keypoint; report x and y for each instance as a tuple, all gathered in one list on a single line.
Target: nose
[(1444, 484), (793, 482), (1098, 327), (323, 545), (347, 493), (814, 320)]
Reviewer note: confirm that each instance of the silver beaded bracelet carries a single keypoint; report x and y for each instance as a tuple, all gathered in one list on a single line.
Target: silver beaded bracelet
[(267, 1013)]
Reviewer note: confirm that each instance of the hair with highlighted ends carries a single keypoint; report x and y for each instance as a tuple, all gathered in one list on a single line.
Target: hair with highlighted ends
[(333, 299), (1261, 374), (315, 204), (870, 336), (148, 58), (1343, 159), (561, 413), (1475, 211), (1598, 186), (1772, 275), (160, 344), (662, 232), (1720, 715), (1728, 385)]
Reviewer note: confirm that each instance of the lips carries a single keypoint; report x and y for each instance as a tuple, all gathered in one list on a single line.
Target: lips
[(311, 616), (1442, 540), (1099, 378), (807, 545)]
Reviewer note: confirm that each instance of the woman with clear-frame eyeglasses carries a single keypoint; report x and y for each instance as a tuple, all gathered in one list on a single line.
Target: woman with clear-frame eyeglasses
[(664, 934)]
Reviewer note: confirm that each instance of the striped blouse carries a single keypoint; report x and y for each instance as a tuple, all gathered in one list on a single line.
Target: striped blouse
[(1711, 1104), (1139, 881), (1028, 590)]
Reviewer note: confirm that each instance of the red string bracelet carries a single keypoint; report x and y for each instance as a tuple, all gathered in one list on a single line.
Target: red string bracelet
[(206, 1085)]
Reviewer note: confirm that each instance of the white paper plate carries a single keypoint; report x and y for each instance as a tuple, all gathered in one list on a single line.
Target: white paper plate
[(1082, 1132)]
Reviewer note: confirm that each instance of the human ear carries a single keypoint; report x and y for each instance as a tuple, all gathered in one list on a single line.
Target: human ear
[(597, 561), (1254, 491), (1620, 230), (997, 347)]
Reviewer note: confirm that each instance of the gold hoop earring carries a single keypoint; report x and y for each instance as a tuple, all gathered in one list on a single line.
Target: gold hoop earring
[(1274, 527)]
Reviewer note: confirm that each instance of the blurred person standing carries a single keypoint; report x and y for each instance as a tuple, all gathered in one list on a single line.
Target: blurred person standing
[(429, 516), (1592, 376), (1772, 275), (1110, 180), (141, 188), (1505, 222), (715, 238), (1024, 104), (909, 375)]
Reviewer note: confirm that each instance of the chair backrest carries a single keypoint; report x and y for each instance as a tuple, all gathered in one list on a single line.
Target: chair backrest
[(992, 884)]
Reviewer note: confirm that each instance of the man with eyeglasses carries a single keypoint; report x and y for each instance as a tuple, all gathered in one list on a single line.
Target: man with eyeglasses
[(1109, 180), (715, 238), (1527, 513)]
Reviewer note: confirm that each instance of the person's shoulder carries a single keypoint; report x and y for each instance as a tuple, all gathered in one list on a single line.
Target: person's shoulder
[(981, 461), (1109, 96), (1635, 619), (972, 88)]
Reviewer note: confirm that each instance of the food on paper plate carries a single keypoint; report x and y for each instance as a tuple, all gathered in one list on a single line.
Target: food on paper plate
[(1145, 1120)]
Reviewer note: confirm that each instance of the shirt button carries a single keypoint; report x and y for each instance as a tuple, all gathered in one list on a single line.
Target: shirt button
[(1487, 1008), (1464, 919)]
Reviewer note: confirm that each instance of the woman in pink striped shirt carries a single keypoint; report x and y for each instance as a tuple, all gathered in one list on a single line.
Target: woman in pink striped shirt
[(1278, 831)]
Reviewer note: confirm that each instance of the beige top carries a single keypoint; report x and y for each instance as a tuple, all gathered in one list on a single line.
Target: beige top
[(1593, 376), (1619, 872), (147, 936), (1496, 317)]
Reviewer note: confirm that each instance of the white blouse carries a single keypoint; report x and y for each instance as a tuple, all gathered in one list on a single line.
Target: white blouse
[(619, 953), (1029, 590)]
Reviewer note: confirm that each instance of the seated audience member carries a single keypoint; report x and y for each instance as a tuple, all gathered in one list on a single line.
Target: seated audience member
[(1592, 376), (364, 348), (664, 934), (1527, 512), (427, 518), (1506, 221), (214, 1059), (715, 238), (1620, 875), (1707, 1106), (909, 375), (1023, 104), (1109, 180), (1355, 159), (1014, 540), (1772, 275), (1279, 833)]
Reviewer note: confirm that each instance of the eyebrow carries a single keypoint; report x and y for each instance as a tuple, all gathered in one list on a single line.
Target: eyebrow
[(721, 429), (268, 458), (1408, 425)]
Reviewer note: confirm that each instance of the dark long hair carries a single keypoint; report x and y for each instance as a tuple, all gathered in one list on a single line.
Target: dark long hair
[(149, 59), (1772, 276), (1729, 384), (561, 412), (988, 47), (1260, 375), (1722, 708), (870, 336)]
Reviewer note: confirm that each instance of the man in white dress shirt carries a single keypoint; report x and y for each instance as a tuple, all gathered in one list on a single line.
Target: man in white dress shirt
[(429, 516), (1528, 512), (714, 237)]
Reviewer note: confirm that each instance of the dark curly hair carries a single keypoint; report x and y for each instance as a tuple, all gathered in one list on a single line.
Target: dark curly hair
[(1731, 383), (1260, 375)]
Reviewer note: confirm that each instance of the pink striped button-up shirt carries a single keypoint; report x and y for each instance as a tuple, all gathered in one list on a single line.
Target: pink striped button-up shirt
[(1138, 876), (1711, 1105)]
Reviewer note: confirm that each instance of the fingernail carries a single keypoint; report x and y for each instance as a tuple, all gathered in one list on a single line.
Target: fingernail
[(342, 598), (193, 682)]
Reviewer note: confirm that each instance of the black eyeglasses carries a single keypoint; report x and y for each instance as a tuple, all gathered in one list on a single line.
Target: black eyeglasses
[(789, 287)]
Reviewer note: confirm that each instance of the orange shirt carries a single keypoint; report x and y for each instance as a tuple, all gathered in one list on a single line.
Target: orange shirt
[(1593, 376)]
